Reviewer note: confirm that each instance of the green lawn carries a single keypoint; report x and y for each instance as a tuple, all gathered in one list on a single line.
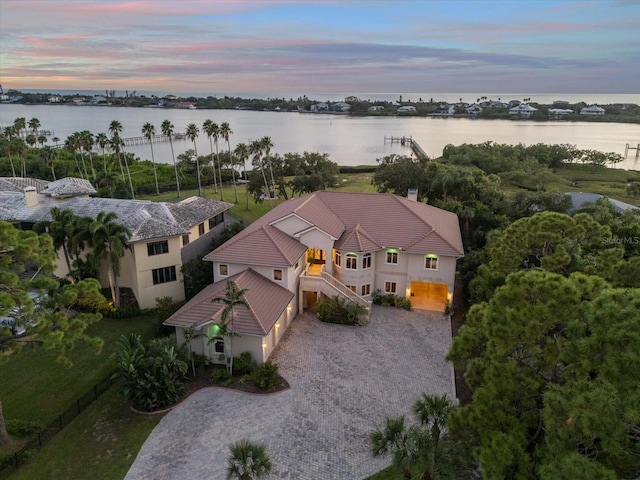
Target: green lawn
[(35, 388), (100, 443)]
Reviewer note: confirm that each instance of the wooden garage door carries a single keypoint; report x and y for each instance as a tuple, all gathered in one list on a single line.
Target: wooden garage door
[(428, 296)]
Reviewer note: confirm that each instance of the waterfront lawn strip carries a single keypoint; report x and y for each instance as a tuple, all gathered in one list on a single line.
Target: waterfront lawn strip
[(102, 442), (37, 389)]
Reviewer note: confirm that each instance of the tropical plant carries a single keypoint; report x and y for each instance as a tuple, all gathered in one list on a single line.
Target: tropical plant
[(255, 150), (149, 131), (115, 129), (48, 155), (167, 129), (242, 154), (109, 241), (189, 334), (248, 461), (102, 141), (267, 145), (339, 310), (233, 298), (9, 139), (225, 132), (210, 129), (60, 229), (266, 376), (86, 141), (150, 374), (192, 134)]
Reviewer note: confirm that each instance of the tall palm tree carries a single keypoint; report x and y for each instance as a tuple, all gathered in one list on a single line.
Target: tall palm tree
[(48, 155), (34, 126), (87, 142), (72, 143), (167, 129), (209, 128), (216, 135), (103, 141), (233, 298), (115, 129), (19, 124), (192, 134), (109, 240), (255, 149), (60, 229), (225, 132), (10, 135), (55, 141), (267, 145), (248, 461), (42, 139), (109, 179), (242, 154), (149, 131), (189, 334)]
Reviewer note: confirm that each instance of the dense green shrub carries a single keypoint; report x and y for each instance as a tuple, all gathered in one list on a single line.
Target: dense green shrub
[(390, 300), (339, 310), (150, 375), (266, 376), (221, 376), (244, 364), (21, 428)]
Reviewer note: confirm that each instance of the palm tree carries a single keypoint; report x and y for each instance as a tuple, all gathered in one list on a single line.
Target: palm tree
[(167, 129), (267, 145), (10, 134), (248, 461), (19, 124), (59, 229), (233, 297), (190, 333), (255, 149), (42, 139), (109, 240), (192, 134), (225, 132), (115, 129), (34, 126), (215, 133), (86, 140), (149, 131), (55, 141), (48, 154), (72, 143), (102, 141), (209, 128), (108, 179), (242, 154)]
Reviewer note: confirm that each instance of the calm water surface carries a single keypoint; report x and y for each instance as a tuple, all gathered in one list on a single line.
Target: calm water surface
[(347, 140)]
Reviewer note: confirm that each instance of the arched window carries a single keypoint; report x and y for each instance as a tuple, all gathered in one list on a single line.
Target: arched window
[(351, 261), (366, 261)]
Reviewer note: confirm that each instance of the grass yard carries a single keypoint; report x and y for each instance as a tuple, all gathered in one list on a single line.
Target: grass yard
[(102, 442), (35, 388)]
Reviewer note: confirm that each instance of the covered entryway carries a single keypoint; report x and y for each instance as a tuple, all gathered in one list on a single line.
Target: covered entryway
[(429, 296)]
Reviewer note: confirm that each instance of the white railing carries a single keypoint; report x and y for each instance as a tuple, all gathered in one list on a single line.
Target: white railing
[(330, 286)]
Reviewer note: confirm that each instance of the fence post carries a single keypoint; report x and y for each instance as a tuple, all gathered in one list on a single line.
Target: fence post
[(15, 456)]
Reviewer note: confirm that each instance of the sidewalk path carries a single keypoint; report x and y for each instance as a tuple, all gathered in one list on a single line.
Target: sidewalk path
[(344, 382)]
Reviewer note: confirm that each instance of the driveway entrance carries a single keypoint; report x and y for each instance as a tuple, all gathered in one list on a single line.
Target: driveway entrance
[(429, 296)]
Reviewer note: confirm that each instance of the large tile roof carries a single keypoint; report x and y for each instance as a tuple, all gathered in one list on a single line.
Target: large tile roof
[(70, 186), (146, 220), (267, 301), (18, 184), (360, 222)]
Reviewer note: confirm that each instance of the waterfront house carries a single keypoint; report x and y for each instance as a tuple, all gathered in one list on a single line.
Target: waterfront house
[(524, 110), (320, 107), (327, 243), (473, 110), (446, 109), (592, 110), (375, 108), (557, 113), (406, 109), (163, 235)]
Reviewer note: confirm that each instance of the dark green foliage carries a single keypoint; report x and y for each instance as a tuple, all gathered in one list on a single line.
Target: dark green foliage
[(390, 300), (339, 310), (22, 428), (244, 364), (221, 376), (247, 461), (149, 375), (266, 376), (197, 275)]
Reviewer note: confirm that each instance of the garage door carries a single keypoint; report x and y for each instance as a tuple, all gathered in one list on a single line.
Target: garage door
[(429, 296)]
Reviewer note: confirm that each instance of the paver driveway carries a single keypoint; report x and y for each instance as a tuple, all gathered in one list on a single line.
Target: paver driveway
[(344, 382)]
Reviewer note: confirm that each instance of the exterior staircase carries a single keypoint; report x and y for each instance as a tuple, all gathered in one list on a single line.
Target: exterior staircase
[(331, 287)]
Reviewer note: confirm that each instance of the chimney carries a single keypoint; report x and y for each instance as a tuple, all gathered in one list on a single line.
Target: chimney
[(31, 197), (412, 194)]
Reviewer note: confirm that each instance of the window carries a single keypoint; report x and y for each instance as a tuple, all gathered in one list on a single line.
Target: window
[(218, 346), (366, 289), (224, 270), (338, 259), (277, 275), (201, 229), (351, 261), (366, 260), (185, 240), (157, 248), (352, 288), (392, 257), (164, 275), (390, 287), (215, 221), (431, 262), (296, 266)]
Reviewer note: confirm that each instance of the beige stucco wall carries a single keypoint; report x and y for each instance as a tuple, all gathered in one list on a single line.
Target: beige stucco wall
[(445, 273), (291, 225), (316, 239)]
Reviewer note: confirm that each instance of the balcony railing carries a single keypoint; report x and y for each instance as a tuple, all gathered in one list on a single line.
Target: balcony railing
[(330, 286)]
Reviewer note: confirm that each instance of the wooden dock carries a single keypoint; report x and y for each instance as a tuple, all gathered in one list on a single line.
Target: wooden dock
[(410, 142), (130, 141), (629, 147)]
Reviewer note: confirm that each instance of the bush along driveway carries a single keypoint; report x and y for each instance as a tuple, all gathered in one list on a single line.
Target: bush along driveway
[(344, 382)]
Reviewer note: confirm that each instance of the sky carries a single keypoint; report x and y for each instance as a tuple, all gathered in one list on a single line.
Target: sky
[(320, 46)]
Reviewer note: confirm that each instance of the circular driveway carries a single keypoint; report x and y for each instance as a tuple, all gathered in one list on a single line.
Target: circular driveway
[(344, 382)]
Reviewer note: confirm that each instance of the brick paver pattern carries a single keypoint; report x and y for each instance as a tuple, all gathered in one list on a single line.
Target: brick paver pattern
[(344, 382)]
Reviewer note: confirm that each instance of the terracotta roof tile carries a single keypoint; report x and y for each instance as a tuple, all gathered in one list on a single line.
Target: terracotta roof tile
[(267, 301)]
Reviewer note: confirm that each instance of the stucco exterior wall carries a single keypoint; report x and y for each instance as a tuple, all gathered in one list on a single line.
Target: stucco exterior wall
[(291, 225), (317, 239), (201, 244), (445, 273)]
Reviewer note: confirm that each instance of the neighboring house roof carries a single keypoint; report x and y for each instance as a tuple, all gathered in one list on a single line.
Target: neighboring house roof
[(267, 301), (145, 219), (580, 199), (592, 109), (365, 222), (68, 187), (523, 108), (18, 184)]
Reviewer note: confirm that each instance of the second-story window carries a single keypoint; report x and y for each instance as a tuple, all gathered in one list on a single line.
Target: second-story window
[(392, 257), (157, 248), (338, 259), (224, 270), (366, 261), (277, 275), (201, 229), (351, 261)]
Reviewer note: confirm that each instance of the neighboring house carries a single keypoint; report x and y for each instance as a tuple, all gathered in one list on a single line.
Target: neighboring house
[(446, 109), (524, 110), (340, 107), (559, 112), (54, 99), (582, 199), (375, 108), (163, 235), (406, 109), (320, 107), (473, 110), (592, 110), (329, 243), (98, 99)]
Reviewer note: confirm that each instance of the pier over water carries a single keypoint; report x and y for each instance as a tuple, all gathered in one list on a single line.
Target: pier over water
[(410, 142)]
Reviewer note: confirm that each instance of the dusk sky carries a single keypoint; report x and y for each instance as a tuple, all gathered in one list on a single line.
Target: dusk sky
[(285, 47)]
